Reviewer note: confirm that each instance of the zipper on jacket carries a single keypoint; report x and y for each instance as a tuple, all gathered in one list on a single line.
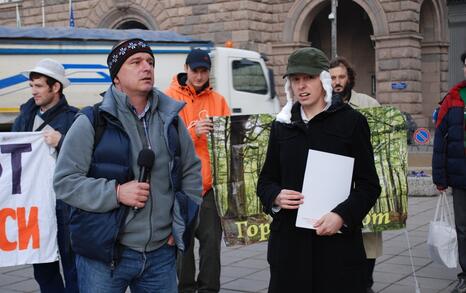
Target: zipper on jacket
[(150, 220), (170, 164), (114, 255), (152, 201), (110, 119), (112, 268)]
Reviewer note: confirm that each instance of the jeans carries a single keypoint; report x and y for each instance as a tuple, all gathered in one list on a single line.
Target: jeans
[(459, 207), (48, 275), (209, 233), (153, 271)]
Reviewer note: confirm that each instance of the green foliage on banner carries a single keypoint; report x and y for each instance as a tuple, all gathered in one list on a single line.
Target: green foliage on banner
[(238, 146), (389, 141)]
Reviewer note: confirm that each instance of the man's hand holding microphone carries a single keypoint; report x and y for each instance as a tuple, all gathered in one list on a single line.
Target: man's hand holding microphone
[(136, 193)]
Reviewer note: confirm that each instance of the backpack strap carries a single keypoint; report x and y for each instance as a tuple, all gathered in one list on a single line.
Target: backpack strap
[(98, 122), (174, 144), (50, 118), (178, 148)]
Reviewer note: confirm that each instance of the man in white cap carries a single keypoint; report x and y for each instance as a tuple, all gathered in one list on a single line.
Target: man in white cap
[(48, 111)]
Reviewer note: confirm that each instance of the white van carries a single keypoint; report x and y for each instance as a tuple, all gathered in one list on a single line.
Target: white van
[(241, 76)]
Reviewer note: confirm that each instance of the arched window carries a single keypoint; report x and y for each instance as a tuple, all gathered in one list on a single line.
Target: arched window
[(353, 40), (131, 24)]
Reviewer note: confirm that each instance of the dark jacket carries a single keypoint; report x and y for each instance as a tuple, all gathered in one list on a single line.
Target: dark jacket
[(62, 116), (298, 256), (449, 159), (87, 174), (110, 160)]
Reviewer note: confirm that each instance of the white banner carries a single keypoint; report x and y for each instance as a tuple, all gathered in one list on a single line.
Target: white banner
[(28, 228)]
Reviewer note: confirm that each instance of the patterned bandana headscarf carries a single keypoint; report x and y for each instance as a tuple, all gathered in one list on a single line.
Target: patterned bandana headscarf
[(122, 51)]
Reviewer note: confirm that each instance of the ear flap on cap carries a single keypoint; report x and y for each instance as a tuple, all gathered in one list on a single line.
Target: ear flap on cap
[(326, 80), (285, 114)]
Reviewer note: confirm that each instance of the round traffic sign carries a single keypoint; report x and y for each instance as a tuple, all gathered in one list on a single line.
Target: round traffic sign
[(421, 136)]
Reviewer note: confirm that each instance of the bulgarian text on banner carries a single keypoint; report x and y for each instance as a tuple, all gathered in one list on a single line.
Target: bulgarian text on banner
[(28, 225)]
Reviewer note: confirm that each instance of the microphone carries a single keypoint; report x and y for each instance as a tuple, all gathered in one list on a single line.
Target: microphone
[(145, 162)]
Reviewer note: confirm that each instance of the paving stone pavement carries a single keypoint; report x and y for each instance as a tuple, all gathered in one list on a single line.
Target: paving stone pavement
[(245, 268)]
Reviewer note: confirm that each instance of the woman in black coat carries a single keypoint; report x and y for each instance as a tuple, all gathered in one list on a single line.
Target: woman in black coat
[(320, 260)]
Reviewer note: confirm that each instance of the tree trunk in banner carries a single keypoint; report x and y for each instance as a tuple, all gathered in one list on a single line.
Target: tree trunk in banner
[(236, 188)]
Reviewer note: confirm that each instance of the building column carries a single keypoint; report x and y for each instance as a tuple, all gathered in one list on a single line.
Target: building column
[(457, 28), (434, 66), (398, 62)]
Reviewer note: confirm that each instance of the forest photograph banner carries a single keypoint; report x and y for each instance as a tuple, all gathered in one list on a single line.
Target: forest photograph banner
[(238, 145), (389, 141)]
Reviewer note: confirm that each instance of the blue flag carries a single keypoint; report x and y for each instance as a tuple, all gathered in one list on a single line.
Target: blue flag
[(71, 14)]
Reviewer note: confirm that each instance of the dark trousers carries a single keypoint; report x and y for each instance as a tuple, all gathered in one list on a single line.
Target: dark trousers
[(48, 275), (459, 207), (370, 271), (209, 233), (301, 261)]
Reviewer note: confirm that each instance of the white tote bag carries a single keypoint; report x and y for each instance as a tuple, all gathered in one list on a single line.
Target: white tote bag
[(442, 242)]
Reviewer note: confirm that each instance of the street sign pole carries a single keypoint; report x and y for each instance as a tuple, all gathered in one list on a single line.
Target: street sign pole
[(333, 18)]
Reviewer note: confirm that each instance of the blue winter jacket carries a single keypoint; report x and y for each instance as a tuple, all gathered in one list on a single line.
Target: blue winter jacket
[(64, 117), (449, 159), (110, 160)]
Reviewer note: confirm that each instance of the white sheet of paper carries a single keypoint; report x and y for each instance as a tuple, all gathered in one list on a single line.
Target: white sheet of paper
[(327, 182)]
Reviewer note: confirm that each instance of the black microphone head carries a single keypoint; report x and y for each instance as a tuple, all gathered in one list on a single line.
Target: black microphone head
[(146, 158)]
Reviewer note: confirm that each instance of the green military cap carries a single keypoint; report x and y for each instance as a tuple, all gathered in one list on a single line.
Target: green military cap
[(308, 60)]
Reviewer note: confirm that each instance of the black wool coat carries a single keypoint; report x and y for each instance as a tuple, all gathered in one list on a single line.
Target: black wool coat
[(301, 261)]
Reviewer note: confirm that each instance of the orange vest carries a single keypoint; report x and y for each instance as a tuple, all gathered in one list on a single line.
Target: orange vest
[(207, 103)]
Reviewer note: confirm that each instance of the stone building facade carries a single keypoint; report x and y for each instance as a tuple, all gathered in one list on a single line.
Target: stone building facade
[(457, 28), (389, 42)]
